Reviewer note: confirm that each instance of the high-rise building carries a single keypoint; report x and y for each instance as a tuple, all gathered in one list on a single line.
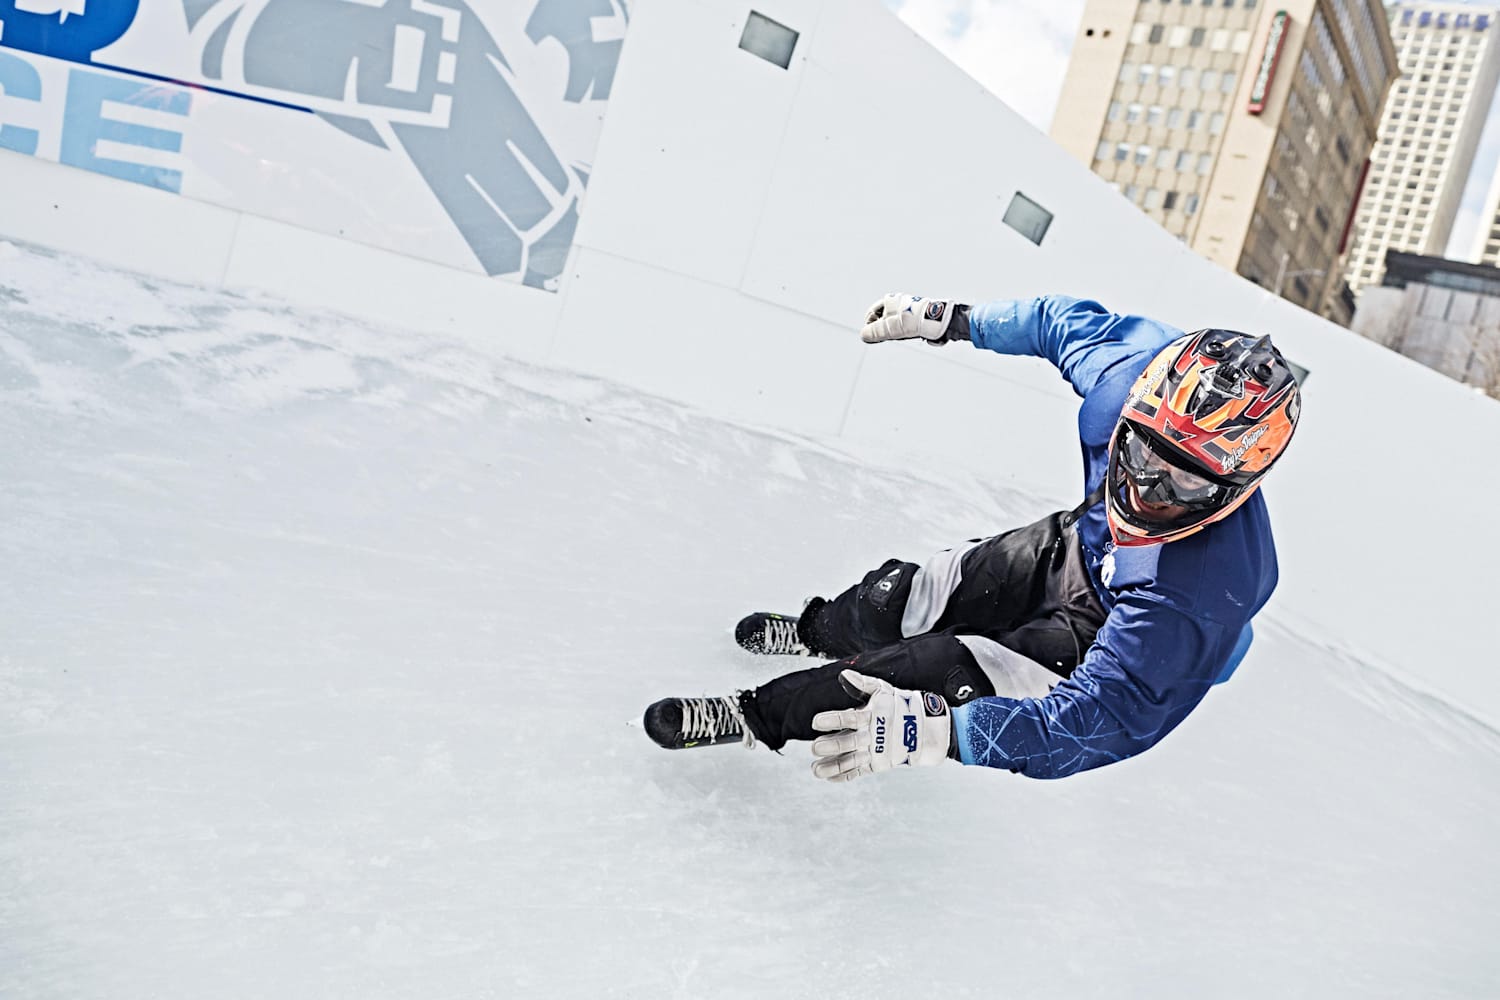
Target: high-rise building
[(1486, 248), (1242, 128), (1429, 134)]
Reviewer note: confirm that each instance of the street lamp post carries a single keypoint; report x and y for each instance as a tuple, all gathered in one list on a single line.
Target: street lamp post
[(1282, 274)]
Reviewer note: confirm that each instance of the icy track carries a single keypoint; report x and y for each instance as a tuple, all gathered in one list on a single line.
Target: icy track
[(320, 643)]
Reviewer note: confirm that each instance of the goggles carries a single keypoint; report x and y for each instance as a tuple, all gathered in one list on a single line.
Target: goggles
[(1158, 478)]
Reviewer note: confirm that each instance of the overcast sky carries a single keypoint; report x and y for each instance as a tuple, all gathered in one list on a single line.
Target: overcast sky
[(1019, 50)]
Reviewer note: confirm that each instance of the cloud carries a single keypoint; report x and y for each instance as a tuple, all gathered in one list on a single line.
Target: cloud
[(1018, 50)]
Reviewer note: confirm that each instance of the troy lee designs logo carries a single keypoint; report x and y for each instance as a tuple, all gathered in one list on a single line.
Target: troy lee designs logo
[(1229, 461), (1149, 380)]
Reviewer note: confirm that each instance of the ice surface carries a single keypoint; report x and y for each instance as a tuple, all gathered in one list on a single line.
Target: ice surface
[(319, 645)]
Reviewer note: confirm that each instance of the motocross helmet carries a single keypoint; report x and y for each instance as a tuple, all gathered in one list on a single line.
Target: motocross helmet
[(1206, 420)]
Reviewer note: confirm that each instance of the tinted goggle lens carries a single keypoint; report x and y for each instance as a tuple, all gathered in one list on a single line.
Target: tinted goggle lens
[(1149, 469)]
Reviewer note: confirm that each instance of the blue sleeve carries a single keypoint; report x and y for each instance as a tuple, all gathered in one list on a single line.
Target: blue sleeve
[(1149, 667), (1082, 338)]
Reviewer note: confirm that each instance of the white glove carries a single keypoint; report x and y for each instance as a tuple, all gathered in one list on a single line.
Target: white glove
[(895, 728), (906, 317)]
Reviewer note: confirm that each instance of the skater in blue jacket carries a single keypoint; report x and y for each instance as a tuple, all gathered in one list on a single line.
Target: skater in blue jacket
[(1070, 643)]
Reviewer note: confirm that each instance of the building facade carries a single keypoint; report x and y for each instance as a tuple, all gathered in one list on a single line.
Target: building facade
[(1444, 314), (1486, 248), (1243, 128), (1429, 134)]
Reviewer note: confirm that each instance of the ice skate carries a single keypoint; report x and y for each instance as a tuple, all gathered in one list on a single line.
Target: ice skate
[(770, 634), (679, 723)]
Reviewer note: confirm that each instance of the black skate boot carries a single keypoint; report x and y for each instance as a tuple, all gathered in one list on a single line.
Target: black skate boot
[(679, 723), (771, 634)]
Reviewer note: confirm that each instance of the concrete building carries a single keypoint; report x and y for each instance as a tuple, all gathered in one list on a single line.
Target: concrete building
[(1428, 135), (1486, 248), (1442, 313), (1242, 128)]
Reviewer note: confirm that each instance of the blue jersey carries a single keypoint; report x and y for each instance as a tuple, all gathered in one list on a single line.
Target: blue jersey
[(1178, 613)]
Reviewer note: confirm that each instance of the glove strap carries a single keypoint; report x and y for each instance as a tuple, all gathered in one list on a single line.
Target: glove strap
[(958, 324)]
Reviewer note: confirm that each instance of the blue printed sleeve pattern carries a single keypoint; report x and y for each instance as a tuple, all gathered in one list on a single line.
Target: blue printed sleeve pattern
[(1121, 700), (1082, 338)]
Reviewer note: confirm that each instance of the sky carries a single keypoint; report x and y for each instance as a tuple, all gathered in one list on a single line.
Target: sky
[(1019, 49)]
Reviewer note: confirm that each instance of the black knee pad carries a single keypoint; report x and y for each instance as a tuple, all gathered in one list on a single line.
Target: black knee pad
[(881, 601)]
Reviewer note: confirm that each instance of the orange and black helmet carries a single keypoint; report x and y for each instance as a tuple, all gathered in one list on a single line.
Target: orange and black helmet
[(1206, 420)]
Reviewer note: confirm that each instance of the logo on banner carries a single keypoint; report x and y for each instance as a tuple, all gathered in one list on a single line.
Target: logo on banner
[(76, 113), (65, 29), (423, 79), (428, 79)]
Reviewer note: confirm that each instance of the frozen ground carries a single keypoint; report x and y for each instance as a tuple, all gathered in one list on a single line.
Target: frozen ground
[(317, 650)]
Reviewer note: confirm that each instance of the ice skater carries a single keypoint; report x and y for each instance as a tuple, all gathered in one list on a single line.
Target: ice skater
[(1067, 644)]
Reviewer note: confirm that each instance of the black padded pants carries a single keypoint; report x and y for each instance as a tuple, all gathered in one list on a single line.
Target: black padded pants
[(1026, 589)]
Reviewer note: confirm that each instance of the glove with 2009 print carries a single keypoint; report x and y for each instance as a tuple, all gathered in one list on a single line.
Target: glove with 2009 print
[(894, 728)]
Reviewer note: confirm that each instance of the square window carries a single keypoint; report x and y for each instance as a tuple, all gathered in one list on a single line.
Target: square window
[(769, 39), (1028, 218)]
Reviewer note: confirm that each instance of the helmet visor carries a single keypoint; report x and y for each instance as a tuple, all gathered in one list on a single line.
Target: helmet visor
[(1154, 490), (1147, 463)]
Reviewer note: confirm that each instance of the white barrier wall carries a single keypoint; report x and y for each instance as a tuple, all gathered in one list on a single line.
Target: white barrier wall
[(754, 212)]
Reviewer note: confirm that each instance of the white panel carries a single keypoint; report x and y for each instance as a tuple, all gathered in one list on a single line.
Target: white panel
[(694, 126), (392, 289), (127, 225), (712, 348), (1004, 419), (881, 186)]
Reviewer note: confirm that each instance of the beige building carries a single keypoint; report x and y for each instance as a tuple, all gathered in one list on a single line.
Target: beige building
[(1429, 134), (1243, 128)]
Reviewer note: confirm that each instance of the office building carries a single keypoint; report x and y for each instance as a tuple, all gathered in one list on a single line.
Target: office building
[(1429, 134), (1243, 128)]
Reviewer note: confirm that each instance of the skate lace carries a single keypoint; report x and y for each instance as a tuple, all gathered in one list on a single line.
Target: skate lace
[(781, 636), (710, 718)]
